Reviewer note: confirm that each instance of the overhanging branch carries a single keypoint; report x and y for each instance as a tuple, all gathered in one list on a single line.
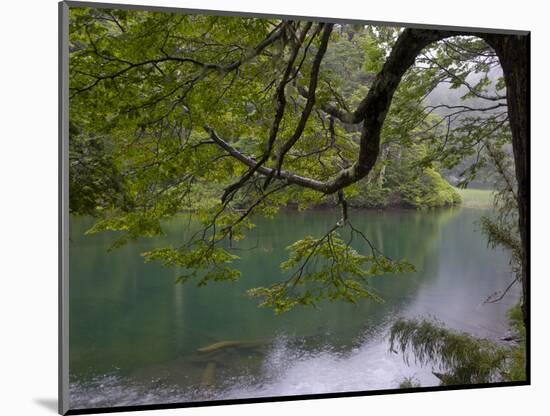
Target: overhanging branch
[(371, 111), (269, 172), (314, 75)]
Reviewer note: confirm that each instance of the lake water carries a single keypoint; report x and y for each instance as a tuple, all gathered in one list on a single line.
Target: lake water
[(134, 333)]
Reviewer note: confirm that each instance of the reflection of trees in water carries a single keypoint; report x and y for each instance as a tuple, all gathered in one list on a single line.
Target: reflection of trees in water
[(338, 324), (118, 309), (418, 241), (182, 318)]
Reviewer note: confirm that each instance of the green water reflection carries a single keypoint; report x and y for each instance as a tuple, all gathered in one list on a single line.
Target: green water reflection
[(129, 318)]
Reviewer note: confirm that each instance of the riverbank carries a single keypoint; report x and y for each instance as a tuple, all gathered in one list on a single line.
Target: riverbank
[(469, 198), (476, 198)]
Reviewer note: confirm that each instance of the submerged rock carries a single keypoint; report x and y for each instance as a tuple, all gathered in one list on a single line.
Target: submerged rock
[(232, 344), (208, 375)]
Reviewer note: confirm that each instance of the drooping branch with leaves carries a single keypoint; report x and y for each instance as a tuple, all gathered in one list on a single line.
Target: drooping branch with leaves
[(455, 357)]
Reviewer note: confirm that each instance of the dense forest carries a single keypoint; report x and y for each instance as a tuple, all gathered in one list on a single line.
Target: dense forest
[(230, 121)]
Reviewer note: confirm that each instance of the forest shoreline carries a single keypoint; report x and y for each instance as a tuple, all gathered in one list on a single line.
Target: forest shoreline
[(470, 198)]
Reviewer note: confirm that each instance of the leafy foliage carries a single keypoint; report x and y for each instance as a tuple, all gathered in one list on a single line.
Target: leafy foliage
[(341, 274), (462, 358), (204, 262), (516, 370), (409, 383), (175, 113), (95, 180), (501, 228)]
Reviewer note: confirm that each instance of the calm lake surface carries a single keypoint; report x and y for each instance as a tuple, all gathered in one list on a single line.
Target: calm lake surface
[(134, 333)]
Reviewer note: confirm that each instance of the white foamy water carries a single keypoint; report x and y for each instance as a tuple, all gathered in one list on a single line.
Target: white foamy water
[(369, 367), (286, 370)]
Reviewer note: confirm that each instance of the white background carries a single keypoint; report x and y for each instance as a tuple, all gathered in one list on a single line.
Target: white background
[(28, 218)]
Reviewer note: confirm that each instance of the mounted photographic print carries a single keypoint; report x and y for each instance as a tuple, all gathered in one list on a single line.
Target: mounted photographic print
[(260, 208)]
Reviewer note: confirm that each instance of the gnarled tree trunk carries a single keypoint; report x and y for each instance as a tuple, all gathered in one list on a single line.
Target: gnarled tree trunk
[(513, 52)]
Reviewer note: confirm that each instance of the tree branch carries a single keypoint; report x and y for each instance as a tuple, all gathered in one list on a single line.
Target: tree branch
[(372, 110), (273, 36), (250, 162), (279, 113), (314, 75)]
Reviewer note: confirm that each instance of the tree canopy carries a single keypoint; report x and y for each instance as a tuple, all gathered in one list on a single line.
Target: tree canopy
[(228, 118)]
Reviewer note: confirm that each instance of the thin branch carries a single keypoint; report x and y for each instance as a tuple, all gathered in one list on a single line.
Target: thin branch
[(279, 112), (273, 36), (327, 30), (503, 293)]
